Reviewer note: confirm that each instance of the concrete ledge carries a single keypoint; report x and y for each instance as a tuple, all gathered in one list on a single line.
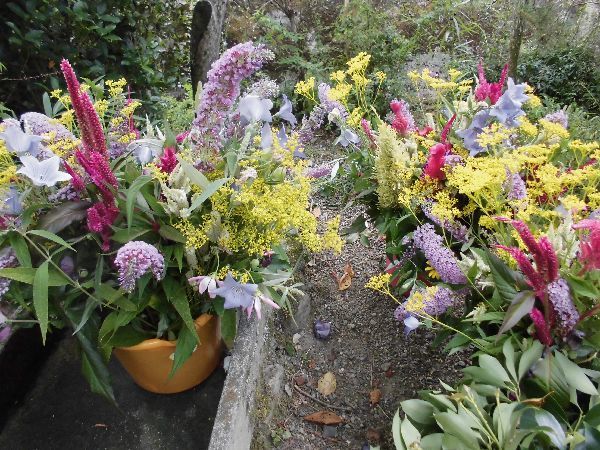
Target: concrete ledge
[(234, 424)]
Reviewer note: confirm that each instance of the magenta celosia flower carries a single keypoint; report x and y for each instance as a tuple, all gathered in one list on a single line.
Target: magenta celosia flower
[(76, 179), (222, 89), (559, 295), (168, 160), (437, 154), (589, 249), (403, 122), (542, 330), (135, 259), (366, 126), (439, 256), (484, 89)]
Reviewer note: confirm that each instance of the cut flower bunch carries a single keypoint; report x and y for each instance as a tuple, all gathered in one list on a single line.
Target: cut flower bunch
[(125, 234), (491, 214)]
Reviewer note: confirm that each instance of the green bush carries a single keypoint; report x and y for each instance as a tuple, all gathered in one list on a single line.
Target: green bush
[(566, 74), (145, 41)]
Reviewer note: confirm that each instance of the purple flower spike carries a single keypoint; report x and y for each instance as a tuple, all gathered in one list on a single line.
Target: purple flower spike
[(440, 257), (322, 329), (136, 258)]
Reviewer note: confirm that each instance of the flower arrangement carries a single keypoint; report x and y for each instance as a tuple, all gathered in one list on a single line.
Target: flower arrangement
[(125, 235), (490, 213)]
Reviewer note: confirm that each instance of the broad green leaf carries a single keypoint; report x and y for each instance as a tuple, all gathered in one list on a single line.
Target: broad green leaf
[(132, 193), (418, 410), (63, 215), (583, 288), (52, 237), (575, 376), (546, 423), (410, 435), (172, 234), (195, 176), (207, 193), (592, 417), (40, 298), (47, 104), (432, 441), (453, 424), (125, 235), (521, 305), (396, 424), (509, 356), (485, 376), (592, 438), (90, 304), (18, 244), (530, 357), (175, 293), (229, 326), (27, 274), (492, 365), (187, 342), (503, 277), (112, 323), (127, 336)]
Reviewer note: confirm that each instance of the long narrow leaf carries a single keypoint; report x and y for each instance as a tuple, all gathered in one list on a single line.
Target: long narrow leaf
[(132, 193), (51, 237), (40, 298)]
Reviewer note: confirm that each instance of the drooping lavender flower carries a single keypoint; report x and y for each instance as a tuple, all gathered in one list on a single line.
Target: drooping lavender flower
[(441, 301), (265, 88), (328, 103), (40, 124), (20, 142), (440, 257), (64, 194), (472, 132), (319, 172), (311, 124), (457, 230), (514, 186), (8, 259), (221, 91), (509, 106), (559, 117), (136, 258), (236, 294)]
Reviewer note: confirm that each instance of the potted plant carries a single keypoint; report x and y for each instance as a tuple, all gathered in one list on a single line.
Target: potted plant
[(150, 245)]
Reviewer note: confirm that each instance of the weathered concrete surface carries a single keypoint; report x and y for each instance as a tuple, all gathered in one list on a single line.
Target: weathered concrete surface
[(234, 424), (60, 412)]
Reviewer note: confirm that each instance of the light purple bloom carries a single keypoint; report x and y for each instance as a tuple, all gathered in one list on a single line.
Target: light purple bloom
[(514, 186), (285, 112), (311, 124), (205, 283), (319, 171), (254, 109), (257, 305), (8, 259), (509, 107), (236, 294), (282, 136), (559, 117), (40, 124), (328, 103), (457, 230), (559, 295), (265, 88), (222, 89), (411, 323), (21, 143), (136, 258), (12, 204), (440, 257), (471, 133), (266, 136), (347, 137), (43, 173)]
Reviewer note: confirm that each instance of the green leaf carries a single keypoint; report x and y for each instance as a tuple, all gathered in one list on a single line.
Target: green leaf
[(27, 275), (112, 323), (229, 326), (453, 424), (172, 234), (509, 355), (544, 422), (63, 215), (492, 365), (592, 417), (432, 441), (503, 277), (583, 288), (187, 341), (410, 435), (127, 336), (485, 376), (207, 193), (175, 293), (575, 376), (530, 357), (19, 245), (396, 425), (40, 297), (195, 176), (125, 235), (521, 305), (90, 304), (52, 237), (132, 193), (419, 410), (47, 104)]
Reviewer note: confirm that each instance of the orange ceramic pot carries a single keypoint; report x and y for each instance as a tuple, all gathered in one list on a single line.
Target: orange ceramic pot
[(149, 362)]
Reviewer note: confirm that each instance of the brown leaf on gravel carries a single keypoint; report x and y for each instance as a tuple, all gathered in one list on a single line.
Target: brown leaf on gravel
[(312, 364), (324, 418), (373, 436), (389, 373), (316, 212), (300, 380), (345, 281), (327, 384), (375, 396)]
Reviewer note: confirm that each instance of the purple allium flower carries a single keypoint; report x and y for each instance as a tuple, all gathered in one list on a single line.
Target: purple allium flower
[(514, 186), (440, 257), (457, 230), (8, 259), (236, 294), (559, 117), (222, 89), (40, 124), (136, 258), (560, 297)]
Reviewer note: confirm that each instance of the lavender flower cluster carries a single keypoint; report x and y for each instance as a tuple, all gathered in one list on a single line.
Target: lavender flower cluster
[(559, 117), (264, 88), (457, 230), (136, 258), (318, 114), (7, 259), (440, 257), (222, 89), (560, 297), (319, 172), (435, 305), (514, 186)]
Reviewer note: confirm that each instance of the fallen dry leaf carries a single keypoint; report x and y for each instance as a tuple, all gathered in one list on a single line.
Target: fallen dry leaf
[(324, 418), (373, 436), (312, 364), (327, 384), (316, 212), (389, 373), (300, 380), (345, 281), (349, 271), (375, 397)]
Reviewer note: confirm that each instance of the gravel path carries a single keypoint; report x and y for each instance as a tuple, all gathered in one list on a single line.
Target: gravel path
[(367, 351)]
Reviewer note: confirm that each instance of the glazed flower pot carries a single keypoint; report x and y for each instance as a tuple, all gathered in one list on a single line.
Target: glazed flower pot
[(149, 362)]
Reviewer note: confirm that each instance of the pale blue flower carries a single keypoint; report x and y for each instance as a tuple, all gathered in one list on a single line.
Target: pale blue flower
[(285, 112), (254, 109), (470, 134), (19, 142), (509, 106), (236, 294), (12, 202), (205, 283), (346, 137), (43, 173), (411, 323), (145, 150), (266, 136), (282, 136)]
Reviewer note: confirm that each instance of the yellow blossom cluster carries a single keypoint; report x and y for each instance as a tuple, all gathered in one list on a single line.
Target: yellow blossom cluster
[(379, 282), (440, 84)]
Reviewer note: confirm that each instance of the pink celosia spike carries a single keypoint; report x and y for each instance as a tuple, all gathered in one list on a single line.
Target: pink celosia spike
[(168, 160), (542, 330), (76, 179), (533, 246), (447, 129), (589, 249), (534, 279), (366, 126), (74, 92), (551, 264)]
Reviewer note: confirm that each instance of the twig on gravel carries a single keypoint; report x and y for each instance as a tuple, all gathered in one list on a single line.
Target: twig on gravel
[(320, 402)]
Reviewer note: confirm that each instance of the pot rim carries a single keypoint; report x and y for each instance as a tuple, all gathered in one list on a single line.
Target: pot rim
[(154, 343)]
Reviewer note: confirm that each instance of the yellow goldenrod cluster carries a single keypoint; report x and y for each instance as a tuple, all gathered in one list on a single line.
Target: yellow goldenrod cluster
[(8, 170), (440, 84), (115, 87), (379, 282), (306, 88)]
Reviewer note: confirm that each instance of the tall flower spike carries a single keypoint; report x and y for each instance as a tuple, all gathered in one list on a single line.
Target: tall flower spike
[(542, 330), (485, 89), (534, 279)]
